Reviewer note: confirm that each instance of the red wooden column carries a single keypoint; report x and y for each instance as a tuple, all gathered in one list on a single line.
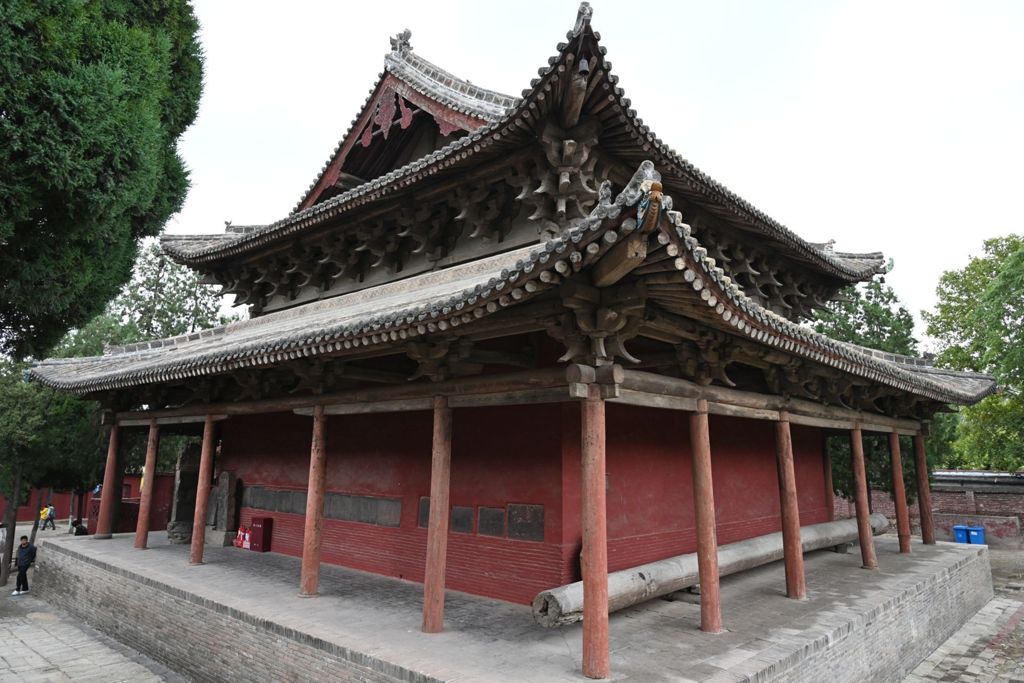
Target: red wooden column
[(924, 491), (148, 477), (105, 523), (860, 495), (796, 585), (594, 559), (899, 493), (437, 525), (202, 494), (704, 507), (310, 582)]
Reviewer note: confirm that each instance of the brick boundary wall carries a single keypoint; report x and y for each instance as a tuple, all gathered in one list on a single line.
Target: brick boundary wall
[(182, 630), (999, 509), (903, 631), (177, 628)]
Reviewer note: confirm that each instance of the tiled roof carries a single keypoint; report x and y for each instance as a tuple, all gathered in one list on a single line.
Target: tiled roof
[(439, 301), (846, 266)]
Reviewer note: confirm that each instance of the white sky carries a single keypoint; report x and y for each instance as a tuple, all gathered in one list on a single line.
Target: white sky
[(893, 126)]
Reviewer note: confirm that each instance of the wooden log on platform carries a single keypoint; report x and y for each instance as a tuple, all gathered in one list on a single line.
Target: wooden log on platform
[(564, 605)]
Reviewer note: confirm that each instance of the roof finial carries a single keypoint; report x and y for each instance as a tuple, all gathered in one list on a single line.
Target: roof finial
[(583, 18), (400, 43)]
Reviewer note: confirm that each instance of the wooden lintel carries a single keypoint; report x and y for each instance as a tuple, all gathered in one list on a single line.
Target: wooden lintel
[(197, 418), (742, 411), (510, 398), (504, 398), (641, 398), (763, 406), (363, 408), (846, 424), (824, 422), (884, 429), (462, 386)]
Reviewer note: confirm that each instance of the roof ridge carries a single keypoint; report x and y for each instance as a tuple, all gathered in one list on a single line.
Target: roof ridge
[(414, 67)]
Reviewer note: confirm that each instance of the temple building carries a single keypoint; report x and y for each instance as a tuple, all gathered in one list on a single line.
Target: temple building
[(503, 344)]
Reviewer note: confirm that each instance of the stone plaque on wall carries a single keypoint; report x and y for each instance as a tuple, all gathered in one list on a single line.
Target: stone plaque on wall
[(491, 522), (424, 512), (462, 519), (526, 522), (342, 506)]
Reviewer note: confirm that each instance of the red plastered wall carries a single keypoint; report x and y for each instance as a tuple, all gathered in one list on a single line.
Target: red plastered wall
[(650, 505), (527, 454), (29, 512), (499, 456)]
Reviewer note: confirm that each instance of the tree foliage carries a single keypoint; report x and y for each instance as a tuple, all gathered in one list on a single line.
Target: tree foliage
[(978, 323), (968, 303), (162, 299), (869, 314), (56, 437), (93, 97)]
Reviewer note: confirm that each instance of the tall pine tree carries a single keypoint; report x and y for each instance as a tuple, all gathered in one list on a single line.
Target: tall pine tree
[(94, 95)]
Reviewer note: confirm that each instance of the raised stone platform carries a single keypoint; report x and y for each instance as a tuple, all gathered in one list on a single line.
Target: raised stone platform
[(238, 617)]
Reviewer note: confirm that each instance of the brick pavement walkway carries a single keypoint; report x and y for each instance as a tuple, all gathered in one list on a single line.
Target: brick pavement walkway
[(37, 643), (989, 647)]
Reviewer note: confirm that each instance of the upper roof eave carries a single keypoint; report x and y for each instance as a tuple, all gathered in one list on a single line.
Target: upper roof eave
[(846, 266)]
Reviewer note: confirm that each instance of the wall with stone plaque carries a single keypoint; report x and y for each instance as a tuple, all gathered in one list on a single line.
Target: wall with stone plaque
[(515, 492)]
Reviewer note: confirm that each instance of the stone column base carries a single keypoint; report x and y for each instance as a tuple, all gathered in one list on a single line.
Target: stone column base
[(179, 533), (219, 537)]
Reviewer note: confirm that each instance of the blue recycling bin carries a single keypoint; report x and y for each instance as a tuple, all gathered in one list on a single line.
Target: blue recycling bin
[(960, 533), (976, 534)]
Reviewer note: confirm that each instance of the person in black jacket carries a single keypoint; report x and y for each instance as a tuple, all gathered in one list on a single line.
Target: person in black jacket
[(26, 556)]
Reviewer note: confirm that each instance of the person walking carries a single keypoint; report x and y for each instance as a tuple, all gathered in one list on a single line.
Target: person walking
[(26, 557), (51, 517)]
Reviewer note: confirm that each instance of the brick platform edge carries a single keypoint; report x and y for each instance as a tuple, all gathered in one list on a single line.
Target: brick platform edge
[(208, 641), (180, 629), (889, 641)]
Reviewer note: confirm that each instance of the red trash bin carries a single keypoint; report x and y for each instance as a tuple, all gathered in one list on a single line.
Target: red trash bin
[(259, 537)]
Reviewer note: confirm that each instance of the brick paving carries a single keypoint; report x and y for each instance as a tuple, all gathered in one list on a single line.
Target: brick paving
[(989, 647), (38, 643)]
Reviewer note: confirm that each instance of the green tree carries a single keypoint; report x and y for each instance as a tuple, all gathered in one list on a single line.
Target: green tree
[(870, 314), (162, 299), (52, 439), (165, 299), (966, 307), (978, 323), (94, 95)]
